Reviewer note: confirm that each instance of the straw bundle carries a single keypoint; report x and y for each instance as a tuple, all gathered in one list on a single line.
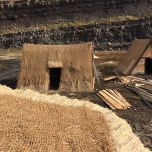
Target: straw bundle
[(34, 72)]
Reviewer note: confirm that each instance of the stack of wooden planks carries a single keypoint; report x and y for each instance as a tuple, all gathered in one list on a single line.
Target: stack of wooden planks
[(114, 99), (142, 87)]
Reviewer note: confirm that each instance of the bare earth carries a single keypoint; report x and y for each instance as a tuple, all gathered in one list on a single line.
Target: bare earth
[(139, 116)]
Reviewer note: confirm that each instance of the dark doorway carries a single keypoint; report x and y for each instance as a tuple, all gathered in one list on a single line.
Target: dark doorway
[(55, 75), (10, 83), (148, 66)]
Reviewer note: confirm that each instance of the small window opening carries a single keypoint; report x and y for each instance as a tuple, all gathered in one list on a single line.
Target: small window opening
[(148, 66), (55, 75)]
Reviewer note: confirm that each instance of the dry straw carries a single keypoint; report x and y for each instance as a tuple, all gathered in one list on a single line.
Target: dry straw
[(124, 140), (77, 71), (37, 126)]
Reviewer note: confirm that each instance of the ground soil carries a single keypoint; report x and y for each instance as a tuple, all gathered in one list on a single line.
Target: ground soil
[(139, 116)]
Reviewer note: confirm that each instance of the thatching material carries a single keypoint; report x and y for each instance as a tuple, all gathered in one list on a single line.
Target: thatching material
[(134, 54), (77, 62), (124, 140), (34, 73), (31, 126)]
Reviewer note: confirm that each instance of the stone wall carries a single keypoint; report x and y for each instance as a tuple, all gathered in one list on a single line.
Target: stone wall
[(105, 36), (66, 8)]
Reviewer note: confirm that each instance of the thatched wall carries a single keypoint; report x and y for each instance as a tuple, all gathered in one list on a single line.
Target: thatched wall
[(77, 70)]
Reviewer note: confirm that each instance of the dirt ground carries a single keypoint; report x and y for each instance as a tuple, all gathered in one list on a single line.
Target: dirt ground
[(139, 116)]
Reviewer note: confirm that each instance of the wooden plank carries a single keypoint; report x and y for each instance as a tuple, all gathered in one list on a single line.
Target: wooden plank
[(114, 99), (111, 100), (117, 101), (108, 103), (133, 78), (122, 98), (128, 79), (110, 78)]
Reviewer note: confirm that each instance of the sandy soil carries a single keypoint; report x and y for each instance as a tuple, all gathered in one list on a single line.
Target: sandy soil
[(139, 116)]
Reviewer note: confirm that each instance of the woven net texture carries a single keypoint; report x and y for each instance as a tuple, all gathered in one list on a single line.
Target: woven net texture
[(37, 122)]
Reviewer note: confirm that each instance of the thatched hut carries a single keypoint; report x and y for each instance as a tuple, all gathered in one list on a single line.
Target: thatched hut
[(57, 67), (138, 59)]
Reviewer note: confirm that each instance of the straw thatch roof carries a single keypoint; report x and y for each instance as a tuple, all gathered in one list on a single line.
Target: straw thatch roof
[(76, 62), (132, 57)]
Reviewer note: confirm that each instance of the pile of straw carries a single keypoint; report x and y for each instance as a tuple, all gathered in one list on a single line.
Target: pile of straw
[(38, 126), (72, 124)]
